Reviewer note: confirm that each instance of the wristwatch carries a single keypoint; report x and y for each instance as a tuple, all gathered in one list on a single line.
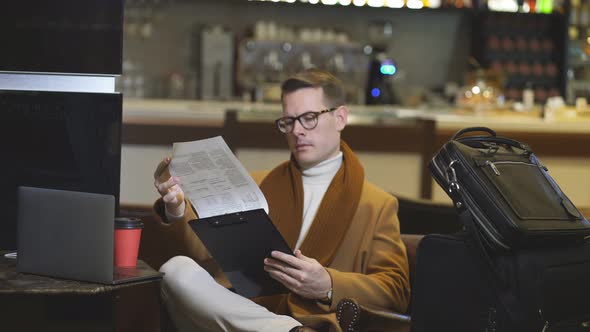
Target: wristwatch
[(328, 298)]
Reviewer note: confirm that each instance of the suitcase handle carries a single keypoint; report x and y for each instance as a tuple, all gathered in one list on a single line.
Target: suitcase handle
[(492, 138), (473, 129)]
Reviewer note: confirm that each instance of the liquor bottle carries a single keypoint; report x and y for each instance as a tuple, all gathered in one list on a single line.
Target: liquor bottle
[(584, 17), (528, 97), (545, 6), (575, 12), (532, 5)]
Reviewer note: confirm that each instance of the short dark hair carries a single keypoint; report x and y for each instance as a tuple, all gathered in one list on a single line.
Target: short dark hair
[(333, 89)]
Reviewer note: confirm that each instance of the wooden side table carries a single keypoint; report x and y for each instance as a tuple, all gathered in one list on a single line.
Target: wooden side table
[(36, 303)]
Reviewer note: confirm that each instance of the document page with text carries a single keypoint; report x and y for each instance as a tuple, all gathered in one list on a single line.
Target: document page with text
[(213, 179)]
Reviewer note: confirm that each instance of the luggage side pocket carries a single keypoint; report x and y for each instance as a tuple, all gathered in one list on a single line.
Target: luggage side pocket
[(525, 188)]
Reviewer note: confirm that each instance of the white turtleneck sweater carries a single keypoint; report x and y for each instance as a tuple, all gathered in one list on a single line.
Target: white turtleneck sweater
[(315, 183)]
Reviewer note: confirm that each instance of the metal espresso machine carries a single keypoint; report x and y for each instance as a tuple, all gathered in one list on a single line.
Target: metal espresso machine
[(213, 49), (382, 68), (275, 51)]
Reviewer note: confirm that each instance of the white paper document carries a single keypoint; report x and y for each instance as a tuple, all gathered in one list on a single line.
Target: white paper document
[(213, 179)]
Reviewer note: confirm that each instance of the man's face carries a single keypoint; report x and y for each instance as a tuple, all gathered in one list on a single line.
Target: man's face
[(312, 146)]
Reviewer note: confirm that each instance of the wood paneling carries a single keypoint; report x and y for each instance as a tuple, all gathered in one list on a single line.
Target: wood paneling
[(166, 134), (399, 136)]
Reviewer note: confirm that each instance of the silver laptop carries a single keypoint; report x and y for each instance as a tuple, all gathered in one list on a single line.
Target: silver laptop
[(68, 234)]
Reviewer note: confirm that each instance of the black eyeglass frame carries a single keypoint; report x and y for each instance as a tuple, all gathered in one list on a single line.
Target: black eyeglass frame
[(298, 118)]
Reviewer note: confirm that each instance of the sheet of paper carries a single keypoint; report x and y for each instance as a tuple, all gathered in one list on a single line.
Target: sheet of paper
[(213, 179)]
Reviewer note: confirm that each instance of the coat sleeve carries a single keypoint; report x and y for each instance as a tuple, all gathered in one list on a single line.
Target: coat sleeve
[(384, 279), (163, 240), (177, 238), (188, 215)]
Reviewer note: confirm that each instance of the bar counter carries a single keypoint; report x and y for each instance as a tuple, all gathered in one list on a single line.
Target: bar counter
[(567, 134), (563, 141), (188, 112)]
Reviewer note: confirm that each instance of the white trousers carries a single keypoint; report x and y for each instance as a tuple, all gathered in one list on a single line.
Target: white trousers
[(196, 302)]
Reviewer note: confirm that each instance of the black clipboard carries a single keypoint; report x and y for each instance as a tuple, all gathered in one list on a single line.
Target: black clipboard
[(239, 242)]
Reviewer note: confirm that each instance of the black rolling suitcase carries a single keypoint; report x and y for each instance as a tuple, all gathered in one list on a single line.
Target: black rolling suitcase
[(523, 262), (546, 290)]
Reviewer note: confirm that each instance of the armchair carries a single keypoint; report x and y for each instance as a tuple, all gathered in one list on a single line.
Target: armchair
[(353, 317), (160, 242), (420, 216), (417, 217)]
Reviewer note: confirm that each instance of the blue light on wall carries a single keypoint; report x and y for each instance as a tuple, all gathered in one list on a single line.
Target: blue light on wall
[(375, 92)]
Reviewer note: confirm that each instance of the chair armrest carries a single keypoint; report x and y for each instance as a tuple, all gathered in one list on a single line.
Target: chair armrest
[(411, 241), (353, 317), (390, 315)]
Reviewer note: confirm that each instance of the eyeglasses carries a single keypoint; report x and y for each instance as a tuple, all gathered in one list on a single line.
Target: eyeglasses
[(308, 120)]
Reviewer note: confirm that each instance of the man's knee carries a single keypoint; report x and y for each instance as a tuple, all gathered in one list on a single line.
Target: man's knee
[(182, 274), (188, 286), (175, 263)]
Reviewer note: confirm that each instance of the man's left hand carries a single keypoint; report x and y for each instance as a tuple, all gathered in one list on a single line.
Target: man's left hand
[(300, 274)]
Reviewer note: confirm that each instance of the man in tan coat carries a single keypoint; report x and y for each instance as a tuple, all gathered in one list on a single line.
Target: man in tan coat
[(344, 230)]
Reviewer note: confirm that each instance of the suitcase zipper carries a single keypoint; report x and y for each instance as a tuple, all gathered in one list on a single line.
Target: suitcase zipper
[(546, 324), (482, 220), (440, 173), (484, 224), (493, 167), (492, 164), (475, 214)]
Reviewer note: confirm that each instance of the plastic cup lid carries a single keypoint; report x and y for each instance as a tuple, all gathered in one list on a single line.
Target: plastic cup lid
[(128, 223)]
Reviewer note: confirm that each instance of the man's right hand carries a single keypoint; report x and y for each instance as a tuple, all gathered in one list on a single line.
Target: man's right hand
[(169, 189)]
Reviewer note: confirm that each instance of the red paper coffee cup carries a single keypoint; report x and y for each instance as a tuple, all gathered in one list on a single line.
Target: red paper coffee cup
[(127, 238)]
